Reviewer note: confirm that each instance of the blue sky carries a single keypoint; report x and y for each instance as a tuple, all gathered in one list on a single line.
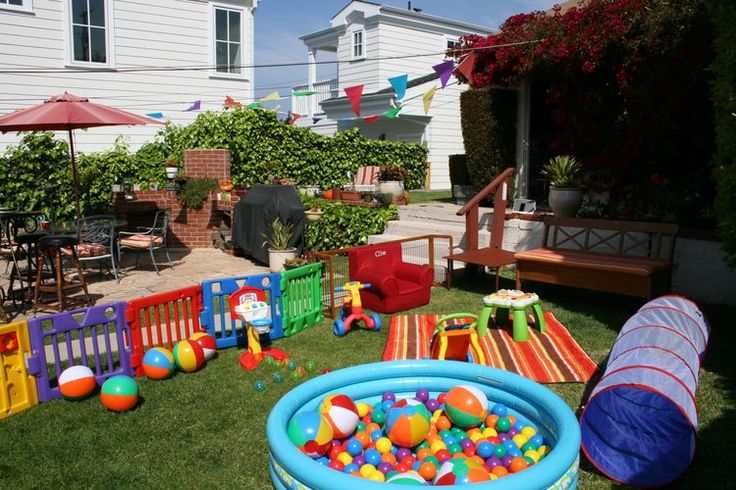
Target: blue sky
[(280, 23)]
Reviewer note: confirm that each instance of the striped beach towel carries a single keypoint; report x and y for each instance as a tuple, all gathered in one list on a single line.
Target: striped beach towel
[(551, 357)]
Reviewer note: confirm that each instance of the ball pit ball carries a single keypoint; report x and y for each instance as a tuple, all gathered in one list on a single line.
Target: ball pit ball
[(461, 471), (188, 355), (311, 366), (341, 413), (77, 382), (158, 363), (408, 479), (291, 365), (119, 393), (466, 406), (311, 433), (259, 385), (277, 377), (407, 422), (206, 342)]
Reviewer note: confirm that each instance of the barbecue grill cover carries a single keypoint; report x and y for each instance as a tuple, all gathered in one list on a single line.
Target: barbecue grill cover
[(255, 212)]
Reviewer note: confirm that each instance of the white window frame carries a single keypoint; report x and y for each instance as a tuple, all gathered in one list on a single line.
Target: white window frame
[(109, 38), (214, 7), (451, 39), (26, 7), (353, 45)]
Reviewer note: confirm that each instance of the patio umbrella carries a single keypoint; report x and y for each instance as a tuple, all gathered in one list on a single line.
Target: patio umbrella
[(68, 112)]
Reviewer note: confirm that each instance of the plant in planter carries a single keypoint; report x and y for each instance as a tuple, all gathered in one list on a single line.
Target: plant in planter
[(565, 194), (278, 236), (314, 213), (295, 262), (391, 183), (195, 192), (172, 168)]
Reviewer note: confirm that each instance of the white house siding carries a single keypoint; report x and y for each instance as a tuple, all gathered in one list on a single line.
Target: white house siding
[(161, 33), (359, 72), (399, 41)]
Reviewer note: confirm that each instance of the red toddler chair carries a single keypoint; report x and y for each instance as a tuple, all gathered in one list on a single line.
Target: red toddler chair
[(395, 284)]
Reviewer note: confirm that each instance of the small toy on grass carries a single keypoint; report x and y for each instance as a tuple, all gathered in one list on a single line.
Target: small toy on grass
[(352, 310), (206, 342), (119, 393), (277, 377), (77, 382), (259, 385), (188, 355), (158, 363)]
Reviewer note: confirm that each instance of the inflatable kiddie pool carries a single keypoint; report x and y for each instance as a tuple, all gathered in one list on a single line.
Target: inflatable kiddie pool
[(530, 402)]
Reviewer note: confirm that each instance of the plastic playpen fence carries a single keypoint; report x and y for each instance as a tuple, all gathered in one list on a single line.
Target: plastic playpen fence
[(215, 316), (301, 297), (422, 250), (161, 320), (17, 386), (97, 337)]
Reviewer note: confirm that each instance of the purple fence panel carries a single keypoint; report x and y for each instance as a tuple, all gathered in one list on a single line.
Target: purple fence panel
[(97, 337)]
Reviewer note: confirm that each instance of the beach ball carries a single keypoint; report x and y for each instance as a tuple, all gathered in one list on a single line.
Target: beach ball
[(206, 342), (119, 393), (77, 382), (310, 432), (408, 479), (461, 471), (341, 413), (158, 363), (466, 406), (188, 355), (407, 422)]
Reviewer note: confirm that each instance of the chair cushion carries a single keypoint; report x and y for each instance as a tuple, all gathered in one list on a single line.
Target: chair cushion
[(87, 250), (142, 241), (641, 266), (367, 175)]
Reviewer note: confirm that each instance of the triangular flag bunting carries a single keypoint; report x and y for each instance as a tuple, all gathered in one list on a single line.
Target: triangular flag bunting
[(355, 94), (315, 120), (399, 85), (230, 102), (155, 115), (303, 93), (466, 67), (393, 112), (371, 118), (276, 109), (254, 105), (272, 96), (427, 98), (195, 106), (293, 116), (444, 70)]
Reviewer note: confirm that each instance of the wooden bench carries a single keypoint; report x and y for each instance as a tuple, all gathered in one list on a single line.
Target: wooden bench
[(624, 257)]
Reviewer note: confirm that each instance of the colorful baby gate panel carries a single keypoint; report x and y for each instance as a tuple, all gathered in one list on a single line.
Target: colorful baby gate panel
[(301, 297), (215, 316), (97, 337), (17, 386), (161, 320)]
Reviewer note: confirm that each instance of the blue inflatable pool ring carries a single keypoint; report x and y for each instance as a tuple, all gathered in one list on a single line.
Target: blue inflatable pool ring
[(530, 402)]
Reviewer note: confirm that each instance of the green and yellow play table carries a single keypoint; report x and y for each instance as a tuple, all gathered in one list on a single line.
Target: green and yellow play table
[(519, 303)]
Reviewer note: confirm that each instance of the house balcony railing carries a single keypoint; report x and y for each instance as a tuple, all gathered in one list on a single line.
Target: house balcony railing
[(325, 89)]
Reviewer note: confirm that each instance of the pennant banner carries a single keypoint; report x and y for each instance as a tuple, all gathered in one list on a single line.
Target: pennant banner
[(315, 120), (355, 94), (254, 105), (466, 67), (399, 85), (230, 102), (270, 97), (303, 93), (427, 98), (371, 118), (195, 107), (393, 113), (293, 117), (155, 115), (444, 70)]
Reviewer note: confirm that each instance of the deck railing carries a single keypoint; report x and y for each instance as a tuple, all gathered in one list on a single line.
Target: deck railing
[(325, 90)]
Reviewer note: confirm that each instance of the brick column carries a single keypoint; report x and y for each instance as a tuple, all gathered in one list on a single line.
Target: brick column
[(207, 163)]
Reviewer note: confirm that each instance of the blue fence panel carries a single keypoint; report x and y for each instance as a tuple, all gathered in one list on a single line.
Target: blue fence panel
[(215, 316)]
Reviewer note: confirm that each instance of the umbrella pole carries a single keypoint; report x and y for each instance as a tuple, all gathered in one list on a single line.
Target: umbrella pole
[(75, 179)]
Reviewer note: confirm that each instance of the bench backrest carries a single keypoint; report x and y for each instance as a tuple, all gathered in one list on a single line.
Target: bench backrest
[(611, 237)]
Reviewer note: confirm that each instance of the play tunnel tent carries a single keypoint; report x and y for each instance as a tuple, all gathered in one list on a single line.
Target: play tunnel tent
[(639, 424)]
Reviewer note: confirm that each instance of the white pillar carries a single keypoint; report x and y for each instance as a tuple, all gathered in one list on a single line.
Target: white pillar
[(523, 122), (312, 80)]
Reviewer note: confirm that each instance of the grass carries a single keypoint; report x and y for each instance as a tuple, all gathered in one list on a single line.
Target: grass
[(429, 196), (208, 427)]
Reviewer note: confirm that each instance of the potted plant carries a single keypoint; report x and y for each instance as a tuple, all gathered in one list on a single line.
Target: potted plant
[(295, 262), (314, 213), (172, 169), (565, 194), (278, 236), (195, 192), (391, 183)]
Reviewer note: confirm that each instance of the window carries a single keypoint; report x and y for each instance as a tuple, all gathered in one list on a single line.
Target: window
[(228, 44), (358, 41), (23, 5), (89, 31), (453, 44)]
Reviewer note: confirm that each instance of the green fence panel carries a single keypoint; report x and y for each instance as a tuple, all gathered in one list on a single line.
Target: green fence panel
[(301, 297)]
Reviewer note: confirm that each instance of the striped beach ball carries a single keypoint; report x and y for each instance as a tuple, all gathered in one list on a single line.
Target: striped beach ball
[(77, 382), (461, 471), (409, 479), (119, 393), (188, 355), (466, 406), (407, 422), (158, 363), (206, 342), (341, 413), (310, 432)]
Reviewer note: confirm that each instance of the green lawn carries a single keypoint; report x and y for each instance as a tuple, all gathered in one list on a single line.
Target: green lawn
[(428, 196), (207, 428)]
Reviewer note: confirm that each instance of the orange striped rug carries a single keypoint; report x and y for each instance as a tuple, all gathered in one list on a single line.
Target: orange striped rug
[(551, 357)]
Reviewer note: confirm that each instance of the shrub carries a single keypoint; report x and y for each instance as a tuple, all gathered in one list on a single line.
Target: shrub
[(195, 192), (345, 226), (459, 170)]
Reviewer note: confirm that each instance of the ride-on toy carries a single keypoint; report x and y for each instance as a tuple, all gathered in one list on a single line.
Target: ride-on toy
[(352, 310), (249, 304), (458, 341)]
